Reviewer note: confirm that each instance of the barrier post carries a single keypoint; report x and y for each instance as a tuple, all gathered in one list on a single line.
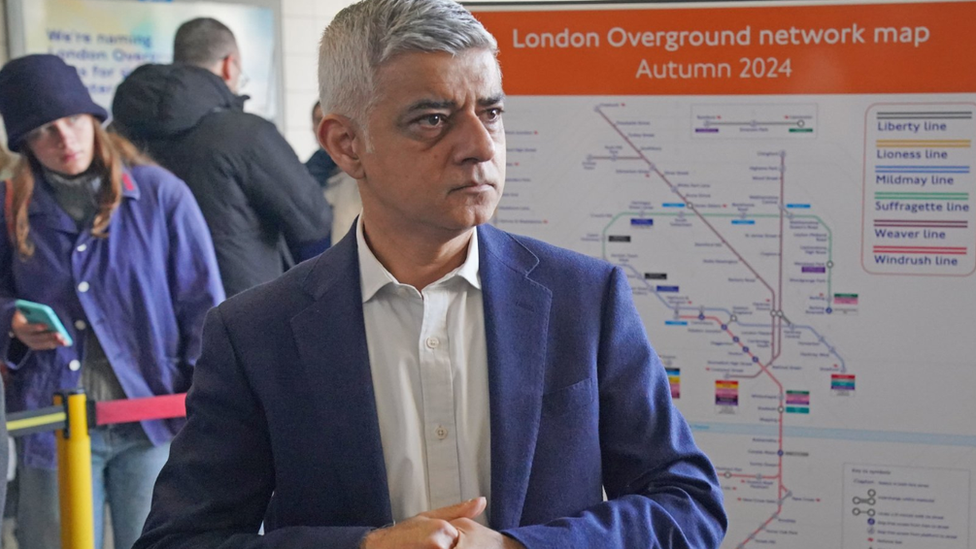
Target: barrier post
[(75, 473)]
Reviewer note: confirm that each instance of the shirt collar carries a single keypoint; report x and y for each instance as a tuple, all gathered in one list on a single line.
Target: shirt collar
[(375, 276)]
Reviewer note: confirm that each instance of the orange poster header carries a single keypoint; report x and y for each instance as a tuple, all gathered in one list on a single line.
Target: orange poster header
[(784, 49)]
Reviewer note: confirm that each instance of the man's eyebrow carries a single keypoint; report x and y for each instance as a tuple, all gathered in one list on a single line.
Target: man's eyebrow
[(430, 104), (493, 100)]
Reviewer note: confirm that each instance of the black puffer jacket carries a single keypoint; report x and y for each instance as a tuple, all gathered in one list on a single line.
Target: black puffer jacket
[(253, 190)]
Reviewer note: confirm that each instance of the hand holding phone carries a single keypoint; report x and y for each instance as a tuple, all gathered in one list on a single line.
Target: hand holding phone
[(38, 326)]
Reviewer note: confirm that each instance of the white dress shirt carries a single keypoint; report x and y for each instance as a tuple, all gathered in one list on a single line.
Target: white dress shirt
[(429, 364)]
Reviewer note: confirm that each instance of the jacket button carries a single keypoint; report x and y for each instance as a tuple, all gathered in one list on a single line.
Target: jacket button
[(80, 324), (82, 248), (74, 365), (83, 287)]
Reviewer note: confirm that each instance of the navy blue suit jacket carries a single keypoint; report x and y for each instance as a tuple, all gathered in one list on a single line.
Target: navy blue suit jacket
[(282, 423)]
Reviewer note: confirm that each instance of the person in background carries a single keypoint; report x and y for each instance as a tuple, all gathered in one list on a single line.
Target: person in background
[(118, 248), (431, 381), (320, 164), (341, 190), (262, 206)]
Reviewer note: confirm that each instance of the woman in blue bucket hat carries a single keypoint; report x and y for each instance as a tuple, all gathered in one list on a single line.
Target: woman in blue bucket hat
[(117, 247)]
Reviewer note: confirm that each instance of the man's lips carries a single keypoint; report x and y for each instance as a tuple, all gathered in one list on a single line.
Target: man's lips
[(474, 186)]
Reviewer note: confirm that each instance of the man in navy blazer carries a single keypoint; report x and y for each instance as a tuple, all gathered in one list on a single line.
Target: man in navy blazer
[(293, 420)]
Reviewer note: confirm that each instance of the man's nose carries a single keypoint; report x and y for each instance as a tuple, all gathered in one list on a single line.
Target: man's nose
[(475, 141)]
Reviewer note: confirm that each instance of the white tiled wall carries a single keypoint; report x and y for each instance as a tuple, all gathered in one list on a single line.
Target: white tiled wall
[(3, 32), (301, 27)]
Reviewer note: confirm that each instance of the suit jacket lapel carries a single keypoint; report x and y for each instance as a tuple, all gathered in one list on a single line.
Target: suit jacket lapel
[(516, 323), (331, 339)]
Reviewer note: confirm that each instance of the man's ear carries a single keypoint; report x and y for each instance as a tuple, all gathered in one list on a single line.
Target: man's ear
[(226, 69), (342, 139)]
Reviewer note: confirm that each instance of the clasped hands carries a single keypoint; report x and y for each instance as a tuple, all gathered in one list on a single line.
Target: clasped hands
[(444, 528)]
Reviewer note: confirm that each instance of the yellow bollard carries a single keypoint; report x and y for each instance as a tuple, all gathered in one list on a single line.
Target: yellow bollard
[(75, 474), (62, 446)]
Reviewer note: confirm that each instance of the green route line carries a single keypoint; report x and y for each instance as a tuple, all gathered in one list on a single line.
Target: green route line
[(920, 196), (830, 234)]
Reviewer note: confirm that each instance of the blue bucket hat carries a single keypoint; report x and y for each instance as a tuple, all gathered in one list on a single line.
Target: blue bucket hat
[(37, 89)]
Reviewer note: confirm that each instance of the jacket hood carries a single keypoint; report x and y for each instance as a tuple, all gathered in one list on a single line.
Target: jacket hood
[(157, 101)]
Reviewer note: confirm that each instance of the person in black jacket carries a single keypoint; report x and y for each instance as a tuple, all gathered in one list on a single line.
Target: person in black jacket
[(262, 206), (320, 164)]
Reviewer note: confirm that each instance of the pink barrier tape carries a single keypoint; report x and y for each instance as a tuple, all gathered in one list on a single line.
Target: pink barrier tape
[(140, 409)]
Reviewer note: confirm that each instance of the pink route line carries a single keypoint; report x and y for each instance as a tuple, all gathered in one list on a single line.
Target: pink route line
[(781, 488), (776, 327), (759, 363)]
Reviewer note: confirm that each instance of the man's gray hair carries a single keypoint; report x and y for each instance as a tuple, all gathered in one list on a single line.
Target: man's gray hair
[(202, 42), (365, 35)]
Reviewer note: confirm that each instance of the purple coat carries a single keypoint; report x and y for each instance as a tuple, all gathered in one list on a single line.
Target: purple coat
[(144, 290)]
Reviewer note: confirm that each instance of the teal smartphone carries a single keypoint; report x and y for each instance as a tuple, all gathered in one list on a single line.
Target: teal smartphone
[(38, 313)]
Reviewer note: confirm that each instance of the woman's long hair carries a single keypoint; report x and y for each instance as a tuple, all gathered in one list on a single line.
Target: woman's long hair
[(112, 153)]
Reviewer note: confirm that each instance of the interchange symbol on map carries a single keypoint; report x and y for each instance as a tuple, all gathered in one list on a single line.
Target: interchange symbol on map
[(787, 121), (869, 501)]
